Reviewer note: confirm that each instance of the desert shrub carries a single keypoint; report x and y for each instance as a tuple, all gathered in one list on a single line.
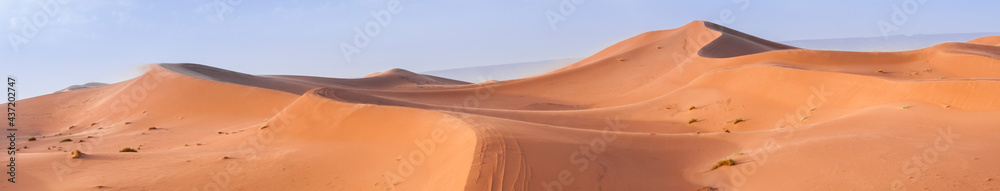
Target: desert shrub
[(724, 162), (75, 154)]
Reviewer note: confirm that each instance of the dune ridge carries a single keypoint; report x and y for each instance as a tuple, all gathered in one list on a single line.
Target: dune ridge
[(652, 112)]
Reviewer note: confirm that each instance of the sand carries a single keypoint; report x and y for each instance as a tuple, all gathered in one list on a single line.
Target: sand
[(653, 112)]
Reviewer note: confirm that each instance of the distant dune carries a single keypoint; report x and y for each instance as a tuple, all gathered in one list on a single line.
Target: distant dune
[(503, 71), (700, 107), (76, 87), (890, 43)]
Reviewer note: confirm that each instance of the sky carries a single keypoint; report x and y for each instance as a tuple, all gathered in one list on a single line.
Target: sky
[(52, 44)]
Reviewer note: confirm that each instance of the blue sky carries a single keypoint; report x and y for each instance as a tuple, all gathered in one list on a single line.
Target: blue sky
[(108, 41)]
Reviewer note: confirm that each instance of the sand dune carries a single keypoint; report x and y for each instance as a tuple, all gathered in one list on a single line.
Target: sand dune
[(82, 86), (653, 112)]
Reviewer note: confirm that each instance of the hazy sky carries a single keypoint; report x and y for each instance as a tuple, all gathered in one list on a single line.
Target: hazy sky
[(67, 42)]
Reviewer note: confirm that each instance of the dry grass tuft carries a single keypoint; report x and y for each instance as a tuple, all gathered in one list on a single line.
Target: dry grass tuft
[(738, 120), (724, 162), (127, 149), (692, 120), (32, 139), (66, 140), (708, 188), (75, 154)]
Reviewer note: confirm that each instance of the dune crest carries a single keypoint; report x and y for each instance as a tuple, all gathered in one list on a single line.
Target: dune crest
[(655, 111)]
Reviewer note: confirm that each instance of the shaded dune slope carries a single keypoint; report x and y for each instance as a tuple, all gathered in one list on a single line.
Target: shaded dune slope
[(654, 111)]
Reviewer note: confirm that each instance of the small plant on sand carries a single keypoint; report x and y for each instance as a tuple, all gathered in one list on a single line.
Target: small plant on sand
[(692, 108), (66, 140), (725, 130), (880, 71), (152, 128), (724, 162), (737, 120), (75, 154), (904, 107), (692, 120), (197, 143), (708, 188), (621, 59), (32, 139), (127, 149)]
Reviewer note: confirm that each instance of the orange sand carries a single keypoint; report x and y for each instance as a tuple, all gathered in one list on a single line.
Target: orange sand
[(621, 119)]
